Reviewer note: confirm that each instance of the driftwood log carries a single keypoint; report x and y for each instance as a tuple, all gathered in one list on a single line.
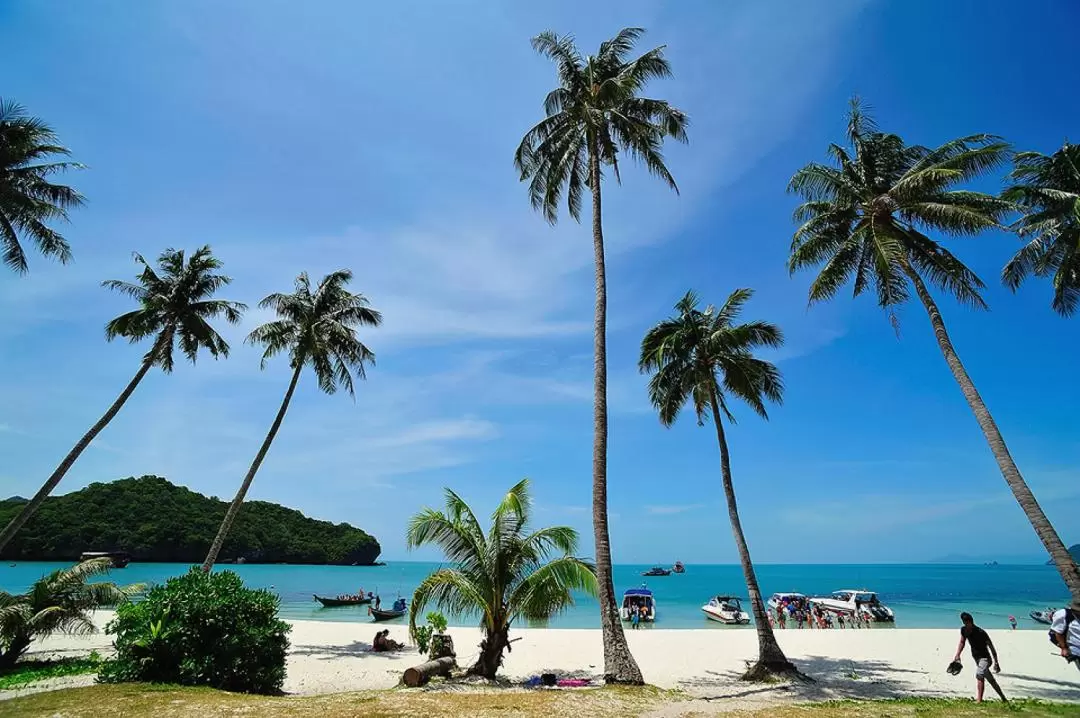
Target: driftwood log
[(419, 675)]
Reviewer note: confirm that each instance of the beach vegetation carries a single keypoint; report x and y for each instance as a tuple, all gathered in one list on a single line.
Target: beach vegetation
[(436, 625), (152, 701), (201, 629), (61, 601), (596, 115), (30, 157), (153, 520), (1046, 188), (705, 358), (176, 305), (866, 218), (317, 329), (512, 572), (26, 672)]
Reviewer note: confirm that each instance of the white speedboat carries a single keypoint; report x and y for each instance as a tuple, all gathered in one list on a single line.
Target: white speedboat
[(778, 599), (633, 599), (726, 609), (851, 602)]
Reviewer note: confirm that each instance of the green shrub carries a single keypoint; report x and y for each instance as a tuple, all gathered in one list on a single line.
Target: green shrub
[(201, 630)]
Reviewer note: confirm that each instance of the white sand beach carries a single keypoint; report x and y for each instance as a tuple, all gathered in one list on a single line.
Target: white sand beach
[(330, 657)]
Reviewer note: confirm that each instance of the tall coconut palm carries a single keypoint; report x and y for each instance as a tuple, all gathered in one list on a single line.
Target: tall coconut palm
[(175, 306), (317, 329), (59, 602), (703, 357), (27, 198), (1047, 190), (866, 219), (511, 572), (594, 115)]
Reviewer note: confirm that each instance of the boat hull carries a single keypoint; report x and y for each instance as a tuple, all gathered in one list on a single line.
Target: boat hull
[(380, 615), (726, 617), (339, 602)]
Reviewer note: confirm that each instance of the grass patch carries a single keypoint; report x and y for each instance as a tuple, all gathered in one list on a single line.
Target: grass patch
[(29, 672), (149, 701)]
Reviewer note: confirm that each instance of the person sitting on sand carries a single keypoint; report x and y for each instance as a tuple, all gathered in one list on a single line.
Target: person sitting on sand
[(383, 642), (982, 648)]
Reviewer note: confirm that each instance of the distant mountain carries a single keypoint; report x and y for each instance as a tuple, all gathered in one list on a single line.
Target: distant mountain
[(1074, 550), (154, 520), (18, 500)]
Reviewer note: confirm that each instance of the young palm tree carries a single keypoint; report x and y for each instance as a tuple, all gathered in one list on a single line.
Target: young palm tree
[(59, 602), (1047, 190), (704, 357), (596, 113), (175, 304), (317, 329), (865, 219), (507, 574), (27, 198)]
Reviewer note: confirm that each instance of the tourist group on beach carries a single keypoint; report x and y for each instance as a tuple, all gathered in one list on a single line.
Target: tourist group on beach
[(803, 613)]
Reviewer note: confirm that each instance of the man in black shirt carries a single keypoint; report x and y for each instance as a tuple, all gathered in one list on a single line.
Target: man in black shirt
[(982, 648)]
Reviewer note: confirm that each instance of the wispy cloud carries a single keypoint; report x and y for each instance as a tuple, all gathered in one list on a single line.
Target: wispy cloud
[(671, 509)]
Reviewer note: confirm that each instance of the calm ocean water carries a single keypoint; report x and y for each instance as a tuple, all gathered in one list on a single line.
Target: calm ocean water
[(923, 596)]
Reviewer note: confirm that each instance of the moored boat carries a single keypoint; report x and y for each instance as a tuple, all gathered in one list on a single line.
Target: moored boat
[(1045, 617), (396, 612), (657, 571), (679, 567), (342, 601), (851, 602), (634, 599), (726, 609), (120, 559)]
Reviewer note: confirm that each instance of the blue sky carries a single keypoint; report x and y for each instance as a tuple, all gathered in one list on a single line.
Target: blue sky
[(379, 137)]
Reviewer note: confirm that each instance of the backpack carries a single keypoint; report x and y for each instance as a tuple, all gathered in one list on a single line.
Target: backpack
[(1069, 618)]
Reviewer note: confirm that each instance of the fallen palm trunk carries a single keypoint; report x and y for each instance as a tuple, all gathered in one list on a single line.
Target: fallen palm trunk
[(419, 675)]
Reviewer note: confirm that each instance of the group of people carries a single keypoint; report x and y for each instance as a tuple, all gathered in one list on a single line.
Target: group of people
[(638, 614), (383, 642), (803, 613)]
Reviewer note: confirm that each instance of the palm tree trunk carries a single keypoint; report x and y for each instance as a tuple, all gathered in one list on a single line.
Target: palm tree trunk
[(771, 658), (234, 507), (491, 653), (1065, 564), (619, 664), (47, 488)]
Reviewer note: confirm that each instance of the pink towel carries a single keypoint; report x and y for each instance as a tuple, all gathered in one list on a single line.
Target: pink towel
[(572, 683)]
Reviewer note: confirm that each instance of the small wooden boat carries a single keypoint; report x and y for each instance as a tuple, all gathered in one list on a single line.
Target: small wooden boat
[(336, 602), (381, 615)]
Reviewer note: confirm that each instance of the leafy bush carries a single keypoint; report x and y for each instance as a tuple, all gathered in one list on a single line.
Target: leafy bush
[(201, 630), (436, 623)]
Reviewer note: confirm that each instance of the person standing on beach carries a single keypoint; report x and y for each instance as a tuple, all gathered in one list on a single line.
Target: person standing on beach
[(1065, 627), (982, 648)]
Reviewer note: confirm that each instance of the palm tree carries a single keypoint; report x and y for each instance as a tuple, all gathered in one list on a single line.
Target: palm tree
[(317, 329), (59, 602), (27, 198), (596, 113), (507, 574), (704, 357), (1047, 190), (175, 304), (866, 218)]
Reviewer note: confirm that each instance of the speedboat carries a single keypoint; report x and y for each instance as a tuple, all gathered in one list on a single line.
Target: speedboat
[(633, 599), (851, 602), (779, 599), (679, 567), (1045, 617), (657, 571), (726, 609)]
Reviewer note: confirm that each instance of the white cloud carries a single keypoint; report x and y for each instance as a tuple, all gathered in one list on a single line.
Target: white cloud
[(669, 510)]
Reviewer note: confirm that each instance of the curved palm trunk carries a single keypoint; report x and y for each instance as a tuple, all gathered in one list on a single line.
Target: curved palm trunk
[(234, 507), (1065, 564), (491, 652), (771, 658), (35, 503), (619, 664)]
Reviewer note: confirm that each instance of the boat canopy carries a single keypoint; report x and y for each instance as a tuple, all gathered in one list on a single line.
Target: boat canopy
[(637, 592)]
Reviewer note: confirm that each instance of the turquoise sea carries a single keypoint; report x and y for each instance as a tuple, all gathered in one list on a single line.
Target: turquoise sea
[(923, 595)]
